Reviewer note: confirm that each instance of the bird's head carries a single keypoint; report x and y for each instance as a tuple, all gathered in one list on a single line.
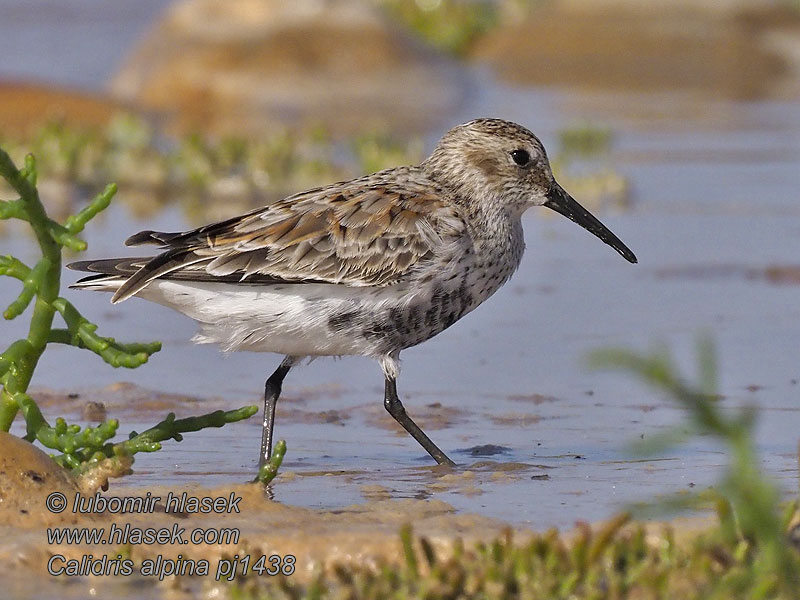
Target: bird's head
[(497, 162)]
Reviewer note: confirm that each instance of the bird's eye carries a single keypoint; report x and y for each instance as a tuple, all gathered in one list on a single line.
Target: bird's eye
[(521, 157)]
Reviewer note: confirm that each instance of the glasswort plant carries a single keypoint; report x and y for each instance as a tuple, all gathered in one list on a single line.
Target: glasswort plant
[(81, 448)]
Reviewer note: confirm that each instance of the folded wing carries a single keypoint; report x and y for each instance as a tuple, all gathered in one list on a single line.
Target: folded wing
[(370, 231)]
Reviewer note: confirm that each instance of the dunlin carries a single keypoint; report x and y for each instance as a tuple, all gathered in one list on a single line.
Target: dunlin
[(366, 267)]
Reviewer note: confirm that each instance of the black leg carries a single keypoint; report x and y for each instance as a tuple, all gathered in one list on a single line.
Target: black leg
[(272, 389), (396, 409)]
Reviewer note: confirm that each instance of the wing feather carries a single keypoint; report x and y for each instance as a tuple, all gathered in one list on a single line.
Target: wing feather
[(366, 232)]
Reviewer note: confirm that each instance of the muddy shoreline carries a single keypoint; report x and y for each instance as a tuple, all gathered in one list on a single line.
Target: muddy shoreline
[(181, 541)]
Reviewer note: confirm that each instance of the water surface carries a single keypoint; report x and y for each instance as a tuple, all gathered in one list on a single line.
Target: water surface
[(541, 439)]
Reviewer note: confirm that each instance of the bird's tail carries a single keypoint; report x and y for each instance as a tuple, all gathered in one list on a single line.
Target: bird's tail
[(108, 274), (99, 283)]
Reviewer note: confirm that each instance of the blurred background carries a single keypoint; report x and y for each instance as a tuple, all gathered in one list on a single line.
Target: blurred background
[(676, 122)]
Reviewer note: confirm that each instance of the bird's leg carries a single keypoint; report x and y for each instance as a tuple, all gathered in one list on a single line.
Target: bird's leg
[(272, 389), (398, 411)]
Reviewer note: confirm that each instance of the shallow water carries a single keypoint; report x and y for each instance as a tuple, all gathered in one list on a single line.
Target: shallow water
[(715, 186), (715, 207), (78, 44)]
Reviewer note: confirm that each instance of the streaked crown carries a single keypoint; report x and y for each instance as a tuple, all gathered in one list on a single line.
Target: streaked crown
[(492, 160)]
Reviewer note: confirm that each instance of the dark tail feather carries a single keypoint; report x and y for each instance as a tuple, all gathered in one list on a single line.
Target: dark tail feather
[(157, 238), (158, 266), (120, 267), (104, 283)]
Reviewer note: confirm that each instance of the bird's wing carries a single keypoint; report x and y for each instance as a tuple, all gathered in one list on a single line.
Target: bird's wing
[(366, 232)]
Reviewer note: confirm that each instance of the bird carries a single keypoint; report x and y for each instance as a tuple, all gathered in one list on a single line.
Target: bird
[(369, 266)]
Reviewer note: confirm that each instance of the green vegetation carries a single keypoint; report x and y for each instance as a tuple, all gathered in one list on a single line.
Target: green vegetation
[(82, 449), (211, 178), (618, 560), (582, 163), (449, 25), (376, 151), (454, 26), (585, 139), (269, 471), (215, 178), (128, 151)]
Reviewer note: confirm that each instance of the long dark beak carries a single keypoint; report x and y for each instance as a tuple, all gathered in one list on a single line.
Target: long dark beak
[(561, 202)]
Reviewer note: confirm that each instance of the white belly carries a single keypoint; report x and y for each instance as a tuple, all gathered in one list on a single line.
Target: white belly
[(287, 319)]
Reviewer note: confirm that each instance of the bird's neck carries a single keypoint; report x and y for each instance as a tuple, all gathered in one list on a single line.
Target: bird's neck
[(494, 226), (497, 237)]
